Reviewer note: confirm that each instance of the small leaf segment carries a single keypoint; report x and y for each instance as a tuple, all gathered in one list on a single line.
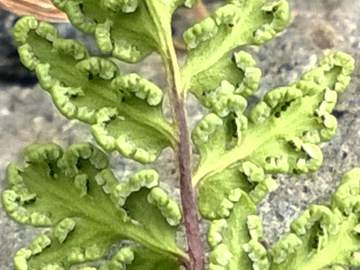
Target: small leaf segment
[(280, 134), (124, 112), (235, 24), (122, 28), (237, 226), (89, 210), (284, 129), (235, 233), (323, 237)]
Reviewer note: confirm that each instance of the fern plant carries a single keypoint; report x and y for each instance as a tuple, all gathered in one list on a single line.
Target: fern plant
[(241, 150)]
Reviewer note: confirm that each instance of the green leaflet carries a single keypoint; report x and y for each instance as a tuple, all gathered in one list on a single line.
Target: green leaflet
[(235, 24), (124, 111), (324, 237), (138, 258), (122, 28), (228, 79), (75, 193), (215, 190), (218, 185), (234, 236), (229, 200), (281, 133)]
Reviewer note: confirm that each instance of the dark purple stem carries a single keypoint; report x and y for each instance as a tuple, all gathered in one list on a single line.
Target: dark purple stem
[(188, 198)]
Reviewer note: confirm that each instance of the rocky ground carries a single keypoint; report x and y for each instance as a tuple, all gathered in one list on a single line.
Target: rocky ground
[(27, 114)]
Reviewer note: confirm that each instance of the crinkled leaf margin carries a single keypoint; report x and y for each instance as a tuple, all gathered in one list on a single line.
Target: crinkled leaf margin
[(75, 193)]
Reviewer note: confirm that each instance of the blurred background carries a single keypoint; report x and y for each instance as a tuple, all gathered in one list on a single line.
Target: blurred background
[(317, 27)]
